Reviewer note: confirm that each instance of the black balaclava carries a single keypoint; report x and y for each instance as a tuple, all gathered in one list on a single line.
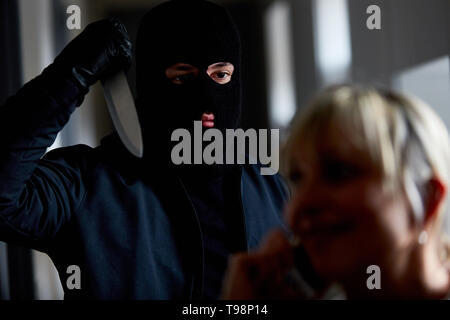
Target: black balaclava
[(194, 32)]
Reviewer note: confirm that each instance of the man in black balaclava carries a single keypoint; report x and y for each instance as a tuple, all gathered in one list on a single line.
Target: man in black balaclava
[(188, 59), (136, 228), (191, 71)]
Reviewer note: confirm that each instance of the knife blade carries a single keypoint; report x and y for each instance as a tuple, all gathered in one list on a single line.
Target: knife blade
[(123, 112)]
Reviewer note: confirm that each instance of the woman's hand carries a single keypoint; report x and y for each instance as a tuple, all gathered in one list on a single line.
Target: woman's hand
[(261, 274)]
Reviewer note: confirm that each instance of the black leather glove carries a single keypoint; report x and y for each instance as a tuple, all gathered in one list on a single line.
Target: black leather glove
[(102, 49)]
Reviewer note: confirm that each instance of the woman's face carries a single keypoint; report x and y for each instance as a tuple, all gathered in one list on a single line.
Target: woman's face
[(340, 211)]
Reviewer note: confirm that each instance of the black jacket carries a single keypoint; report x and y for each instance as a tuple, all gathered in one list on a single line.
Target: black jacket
[(132, 230)]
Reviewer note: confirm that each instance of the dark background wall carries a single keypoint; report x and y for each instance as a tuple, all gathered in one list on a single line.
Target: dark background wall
[(16, 277)]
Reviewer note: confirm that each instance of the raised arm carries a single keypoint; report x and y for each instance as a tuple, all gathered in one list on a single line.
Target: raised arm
[(38, 196)]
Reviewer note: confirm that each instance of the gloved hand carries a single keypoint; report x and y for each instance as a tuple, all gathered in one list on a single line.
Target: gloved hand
[(102, 49)]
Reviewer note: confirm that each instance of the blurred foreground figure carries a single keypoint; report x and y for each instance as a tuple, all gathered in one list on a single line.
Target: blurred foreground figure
[(370, 176), (136, 228)]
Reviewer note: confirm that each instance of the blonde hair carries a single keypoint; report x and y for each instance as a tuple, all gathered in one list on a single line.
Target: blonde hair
[(403, 136)]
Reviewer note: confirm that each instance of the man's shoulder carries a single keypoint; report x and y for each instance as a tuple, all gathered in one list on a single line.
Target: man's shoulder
[(274, 182), (257, 170), (109, 158), (75, 152), (76, 160), (79, 157)]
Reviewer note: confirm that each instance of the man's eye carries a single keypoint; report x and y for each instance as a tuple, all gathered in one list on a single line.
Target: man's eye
[(221, 77), (182, 78)]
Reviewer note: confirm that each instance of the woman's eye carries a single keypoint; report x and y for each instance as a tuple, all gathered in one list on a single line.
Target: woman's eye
[(295, 177), (337, 172)]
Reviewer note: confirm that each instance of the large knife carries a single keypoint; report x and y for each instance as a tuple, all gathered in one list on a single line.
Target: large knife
[(123, 112)]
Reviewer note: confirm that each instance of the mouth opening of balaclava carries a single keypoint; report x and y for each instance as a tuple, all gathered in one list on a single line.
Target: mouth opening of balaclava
[(194, 32)]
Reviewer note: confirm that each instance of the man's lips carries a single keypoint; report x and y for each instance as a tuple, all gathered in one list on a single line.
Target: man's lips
[(208, 120)]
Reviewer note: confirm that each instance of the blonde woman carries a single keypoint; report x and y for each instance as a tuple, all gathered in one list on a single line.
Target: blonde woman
[(370, 172)]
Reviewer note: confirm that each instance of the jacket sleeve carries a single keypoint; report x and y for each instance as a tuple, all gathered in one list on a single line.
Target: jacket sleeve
[(36, 196)]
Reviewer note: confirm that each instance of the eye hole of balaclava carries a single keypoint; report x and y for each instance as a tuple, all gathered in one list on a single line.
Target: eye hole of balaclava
[(198, 33)]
